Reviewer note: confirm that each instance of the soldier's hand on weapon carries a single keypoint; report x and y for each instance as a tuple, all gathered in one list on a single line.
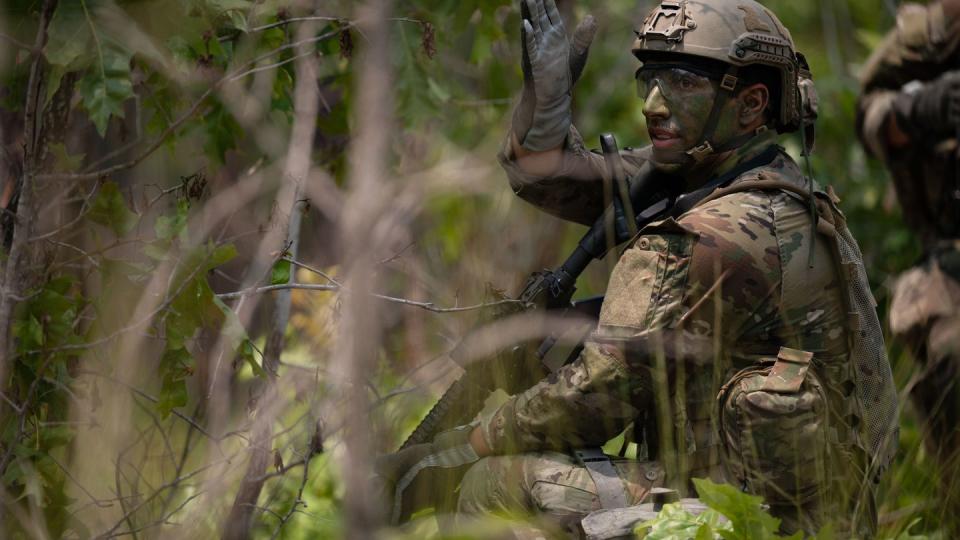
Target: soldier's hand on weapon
[(931, 112), (551, 66), (415, 477)]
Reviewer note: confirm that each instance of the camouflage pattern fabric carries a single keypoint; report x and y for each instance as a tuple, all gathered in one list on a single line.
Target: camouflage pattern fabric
[(733, 271), (775, 435), (575, 192), (924, 313), (551, 484)]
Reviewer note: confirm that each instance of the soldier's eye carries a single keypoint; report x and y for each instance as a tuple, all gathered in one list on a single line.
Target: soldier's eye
[(687, 82)]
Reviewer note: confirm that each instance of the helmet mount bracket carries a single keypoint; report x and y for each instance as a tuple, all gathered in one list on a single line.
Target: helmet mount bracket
[(667, 22)]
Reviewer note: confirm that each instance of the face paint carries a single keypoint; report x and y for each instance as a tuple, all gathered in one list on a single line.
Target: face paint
[(677, 105), (678, 101)]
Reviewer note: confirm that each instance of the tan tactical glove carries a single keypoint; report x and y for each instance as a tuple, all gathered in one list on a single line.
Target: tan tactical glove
[(551, 66)]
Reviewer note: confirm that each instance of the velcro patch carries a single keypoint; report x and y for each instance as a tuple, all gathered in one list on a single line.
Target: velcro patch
[(788, 372)]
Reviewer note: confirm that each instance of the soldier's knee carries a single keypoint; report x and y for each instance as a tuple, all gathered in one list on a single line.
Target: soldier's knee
[(492, 485)]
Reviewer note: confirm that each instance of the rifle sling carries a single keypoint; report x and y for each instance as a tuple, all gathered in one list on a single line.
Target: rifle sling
[(610, 489)]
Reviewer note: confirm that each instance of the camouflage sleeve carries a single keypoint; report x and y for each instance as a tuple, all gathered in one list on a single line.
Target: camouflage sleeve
[(584, 403), (667, 284), (924, 43), (575, 192)]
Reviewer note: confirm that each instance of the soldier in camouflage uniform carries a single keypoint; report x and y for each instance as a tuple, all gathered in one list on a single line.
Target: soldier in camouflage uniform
[(909, 116), (725, 339)]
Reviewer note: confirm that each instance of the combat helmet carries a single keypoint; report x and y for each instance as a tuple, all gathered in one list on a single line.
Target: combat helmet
[(736, 34)]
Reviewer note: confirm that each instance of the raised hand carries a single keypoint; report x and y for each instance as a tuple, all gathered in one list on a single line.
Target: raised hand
[(551, 66)]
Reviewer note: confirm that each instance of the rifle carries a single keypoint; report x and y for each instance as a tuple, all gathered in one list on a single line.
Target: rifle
[(551, 290)]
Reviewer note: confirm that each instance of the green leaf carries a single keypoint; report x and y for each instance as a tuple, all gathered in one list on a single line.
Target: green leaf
[(906, 535), (68, 37), (280, 273), (170, 227), (68, 44), (220, 255), (106, 85), (439, 93), (674, 523), (173, 394), (29, 332), (64, 161), (744, 511), (175, 364), (246, 351), (195, 305), (239, 20), (110, 210)]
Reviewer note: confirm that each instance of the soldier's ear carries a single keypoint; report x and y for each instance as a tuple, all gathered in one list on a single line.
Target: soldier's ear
[(753, 105)]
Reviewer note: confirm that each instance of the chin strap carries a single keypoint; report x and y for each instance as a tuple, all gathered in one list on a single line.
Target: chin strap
[(727, 85)]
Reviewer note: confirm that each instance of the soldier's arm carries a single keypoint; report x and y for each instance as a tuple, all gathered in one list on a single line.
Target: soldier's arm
[(924, 43), (665, 297), (565, 181)]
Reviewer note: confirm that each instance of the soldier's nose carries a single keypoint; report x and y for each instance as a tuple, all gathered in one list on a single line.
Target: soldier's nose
[(655, 106)]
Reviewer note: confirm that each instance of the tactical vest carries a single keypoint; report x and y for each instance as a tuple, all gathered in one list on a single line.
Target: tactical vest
[(874, 405)]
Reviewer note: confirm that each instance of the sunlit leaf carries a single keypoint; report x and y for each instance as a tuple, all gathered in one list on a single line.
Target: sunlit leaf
[(280, 273)]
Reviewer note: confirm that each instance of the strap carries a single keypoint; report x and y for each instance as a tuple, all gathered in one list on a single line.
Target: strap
[(787, 374), (727, 85), (604, 475), (705, 193)]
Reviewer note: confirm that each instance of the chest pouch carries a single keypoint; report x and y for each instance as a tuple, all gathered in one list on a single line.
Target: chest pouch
[(773, 429)]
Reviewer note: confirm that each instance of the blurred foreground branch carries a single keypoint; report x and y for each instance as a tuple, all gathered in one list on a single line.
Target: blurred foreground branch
[(264, 396)]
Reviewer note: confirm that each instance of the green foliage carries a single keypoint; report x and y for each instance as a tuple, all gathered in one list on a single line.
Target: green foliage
[(157, 57), (675, 523), (78, 42), (731, 515), (110, 210), (280, 273)]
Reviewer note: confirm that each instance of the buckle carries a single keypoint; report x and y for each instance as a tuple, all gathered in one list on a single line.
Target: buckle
[(701, 151), (729, 82)]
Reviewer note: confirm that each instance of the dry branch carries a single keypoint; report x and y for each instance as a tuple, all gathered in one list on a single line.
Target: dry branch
[(12, 281), (296, 170), (365, 220)]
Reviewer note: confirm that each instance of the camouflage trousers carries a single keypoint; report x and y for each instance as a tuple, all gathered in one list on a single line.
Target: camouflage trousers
[(551, 485)]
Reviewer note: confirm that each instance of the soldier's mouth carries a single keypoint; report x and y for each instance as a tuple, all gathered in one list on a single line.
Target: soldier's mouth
[(663, 138)]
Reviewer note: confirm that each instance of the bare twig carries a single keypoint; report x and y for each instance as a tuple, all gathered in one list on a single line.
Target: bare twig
[(296, 170), (16, 42), (299, 500), (164, 520), (12, 281), (193, 423), (285, 22), (429, 306), (316, 271)]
